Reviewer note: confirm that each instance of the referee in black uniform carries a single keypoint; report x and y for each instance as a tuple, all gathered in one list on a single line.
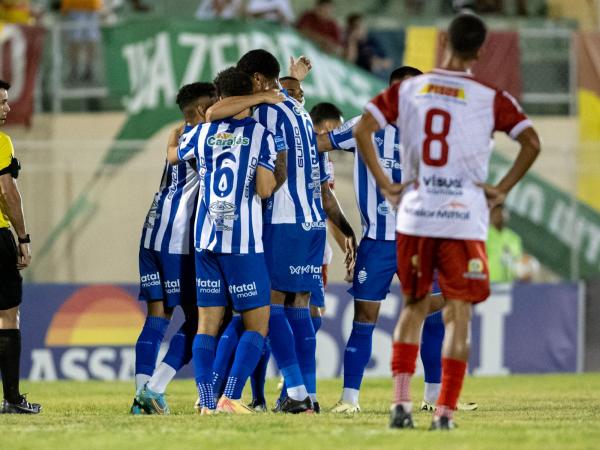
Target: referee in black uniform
[(13, 258)]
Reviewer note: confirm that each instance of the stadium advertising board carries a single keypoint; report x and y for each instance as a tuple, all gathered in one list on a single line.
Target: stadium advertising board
[(88, 332)]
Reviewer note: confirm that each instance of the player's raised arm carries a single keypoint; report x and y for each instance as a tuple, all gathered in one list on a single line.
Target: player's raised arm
[(230, 106)]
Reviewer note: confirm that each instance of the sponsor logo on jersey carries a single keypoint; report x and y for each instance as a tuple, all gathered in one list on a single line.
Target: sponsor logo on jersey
[(227, 140), (384, 208), (389, 163), (243, 290), (362, 276), (475, 271), (307, 226), (446, 91), (150, 279), (172, 286), (443, 185), (208, 286), (446, 214), (305, 270), (222, 212)]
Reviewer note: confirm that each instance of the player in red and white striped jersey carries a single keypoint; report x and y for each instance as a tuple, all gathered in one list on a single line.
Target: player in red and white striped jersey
[(447, 118)]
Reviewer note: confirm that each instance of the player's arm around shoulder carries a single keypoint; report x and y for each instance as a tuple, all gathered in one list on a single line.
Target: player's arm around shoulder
[(173, 145), (230, 106)]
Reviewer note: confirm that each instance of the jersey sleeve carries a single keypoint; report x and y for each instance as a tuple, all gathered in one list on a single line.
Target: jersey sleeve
[(342, 138), (324, 169), (508, 115), (187, 145), (384, 107), (6, 151), (271, 118), (268, 152)]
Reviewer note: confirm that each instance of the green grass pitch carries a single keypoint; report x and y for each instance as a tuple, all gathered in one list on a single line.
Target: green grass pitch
[(525, 412)]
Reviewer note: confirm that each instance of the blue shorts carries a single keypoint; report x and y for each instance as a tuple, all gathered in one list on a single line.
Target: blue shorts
[(375, 269), (221, 277), (317, 297), (294, 256), (168, 277)]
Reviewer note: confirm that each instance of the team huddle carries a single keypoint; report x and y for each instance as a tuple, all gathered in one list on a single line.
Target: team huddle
[(236, 235)]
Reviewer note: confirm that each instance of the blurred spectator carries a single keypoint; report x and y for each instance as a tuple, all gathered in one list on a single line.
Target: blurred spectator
[(505, 251), (225, 9), (361, 48), (16, 11), (273, 10), (83, 37), (319, 25)]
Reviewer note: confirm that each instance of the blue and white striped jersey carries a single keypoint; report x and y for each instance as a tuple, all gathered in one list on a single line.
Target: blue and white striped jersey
[(378, 217), (228, 152), (299, 198), (168, 225)]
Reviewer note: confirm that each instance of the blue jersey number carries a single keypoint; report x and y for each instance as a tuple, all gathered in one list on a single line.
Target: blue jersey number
[(223, 178)]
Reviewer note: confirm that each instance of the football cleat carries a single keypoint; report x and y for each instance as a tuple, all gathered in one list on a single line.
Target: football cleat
[(442, 423), (343, 407), (290, 406), (152, 402), (316, 407), (258, 406), (229, 406), (23, 407), (136, 409), (426, 406), (470, 406), (399, 418), (197, 406)]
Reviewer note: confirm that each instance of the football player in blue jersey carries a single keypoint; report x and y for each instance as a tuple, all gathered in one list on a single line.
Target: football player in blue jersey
[(236, 163), (167, 266), (294, 227)]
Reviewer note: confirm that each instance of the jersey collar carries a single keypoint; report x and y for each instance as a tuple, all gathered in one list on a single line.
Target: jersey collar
[(456, 73)]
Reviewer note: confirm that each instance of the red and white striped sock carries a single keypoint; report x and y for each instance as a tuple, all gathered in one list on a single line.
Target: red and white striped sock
[(404, 361)]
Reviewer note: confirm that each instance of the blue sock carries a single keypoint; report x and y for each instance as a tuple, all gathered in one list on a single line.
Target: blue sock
[(259, 375), (203, 352), (284, 349), (431, 347), (148, 344), (306, 346), (247, 355), (180, 347), (317, 322), (357, 354), (225, 354)]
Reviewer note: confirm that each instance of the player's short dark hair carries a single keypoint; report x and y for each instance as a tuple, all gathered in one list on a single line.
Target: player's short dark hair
[(4, 85), (325, 111), (259, 61), (232, 82), (192, 92), (288, 78), (466, 35), (405, 71)]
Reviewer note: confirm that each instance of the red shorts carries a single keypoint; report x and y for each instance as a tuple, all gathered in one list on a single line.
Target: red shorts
[(462, 267)]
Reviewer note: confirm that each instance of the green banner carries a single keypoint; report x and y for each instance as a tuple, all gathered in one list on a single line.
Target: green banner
[(561, 232), (147, 62)]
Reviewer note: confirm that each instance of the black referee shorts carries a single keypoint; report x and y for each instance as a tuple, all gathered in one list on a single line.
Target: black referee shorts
[(11, 283)]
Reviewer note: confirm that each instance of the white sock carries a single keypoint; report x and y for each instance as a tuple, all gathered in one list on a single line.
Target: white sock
[(350, 395), (298, 392), (432, 392), (161, 377), (313, 397), (140, 380)]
